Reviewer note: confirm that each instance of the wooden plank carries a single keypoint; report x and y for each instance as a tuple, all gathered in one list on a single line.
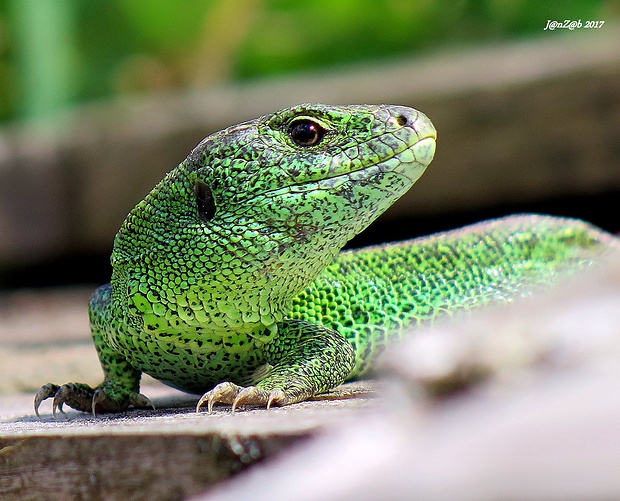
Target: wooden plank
[(516, 402), (169, 453)]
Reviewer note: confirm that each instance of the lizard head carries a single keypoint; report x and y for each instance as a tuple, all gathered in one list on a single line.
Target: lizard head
[(258, 210)]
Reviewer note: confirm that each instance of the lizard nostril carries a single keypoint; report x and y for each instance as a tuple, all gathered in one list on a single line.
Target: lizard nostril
[(401, 119)]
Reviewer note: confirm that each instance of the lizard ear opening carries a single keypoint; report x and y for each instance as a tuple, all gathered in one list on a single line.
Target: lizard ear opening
[(205, 202)]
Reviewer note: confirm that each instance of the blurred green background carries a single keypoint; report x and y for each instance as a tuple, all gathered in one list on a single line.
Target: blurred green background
[(99, 99), (57, 53)]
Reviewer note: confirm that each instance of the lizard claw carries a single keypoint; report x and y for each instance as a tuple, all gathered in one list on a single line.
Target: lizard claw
[(84, 398), (76, 395), (46, 391), (235, 395), (277, 397), (251, 395)]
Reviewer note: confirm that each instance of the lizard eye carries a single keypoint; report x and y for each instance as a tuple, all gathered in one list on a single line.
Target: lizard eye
[(204, 201), (305, 132)]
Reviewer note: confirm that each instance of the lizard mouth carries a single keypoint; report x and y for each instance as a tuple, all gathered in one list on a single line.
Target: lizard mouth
[(406, 154)]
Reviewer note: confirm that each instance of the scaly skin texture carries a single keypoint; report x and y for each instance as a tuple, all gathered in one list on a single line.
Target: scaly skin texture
[(374, 295), (227, 277)]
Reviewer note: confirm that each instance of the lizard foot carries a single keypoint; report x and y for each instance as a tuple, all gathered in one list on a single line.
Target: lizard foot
[(308, 359), (230, 393), (83, 398)]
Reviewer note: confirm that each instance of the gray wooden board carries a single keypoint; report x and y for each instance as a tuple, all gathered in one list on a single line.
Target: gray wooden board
[(168, 453)]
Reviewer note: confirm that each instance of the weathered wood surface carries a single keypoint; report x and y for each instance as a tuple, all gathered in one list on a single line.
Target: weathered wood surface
[(518, 402), (533, 120), (167, 454), (535, 415)]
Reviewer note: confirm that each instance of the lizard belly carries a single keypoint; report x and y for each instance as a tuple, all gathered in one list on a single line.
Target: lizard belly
[(190, 362)]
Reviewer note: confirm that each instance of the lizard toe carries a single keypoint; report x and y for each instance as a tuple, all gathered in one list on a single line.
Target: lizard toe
[(250, 395), (75, 395), (277, 397), (45, 392), (104, 402)]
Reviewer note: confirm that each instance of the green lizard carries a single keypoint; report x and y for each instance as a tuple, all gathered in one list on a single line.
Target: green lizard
[(227, 277)]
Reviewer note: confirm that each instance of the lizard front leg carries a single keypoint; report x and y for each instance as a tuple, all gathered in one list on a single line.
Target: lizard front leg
[(305, 359), (120, 388)]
